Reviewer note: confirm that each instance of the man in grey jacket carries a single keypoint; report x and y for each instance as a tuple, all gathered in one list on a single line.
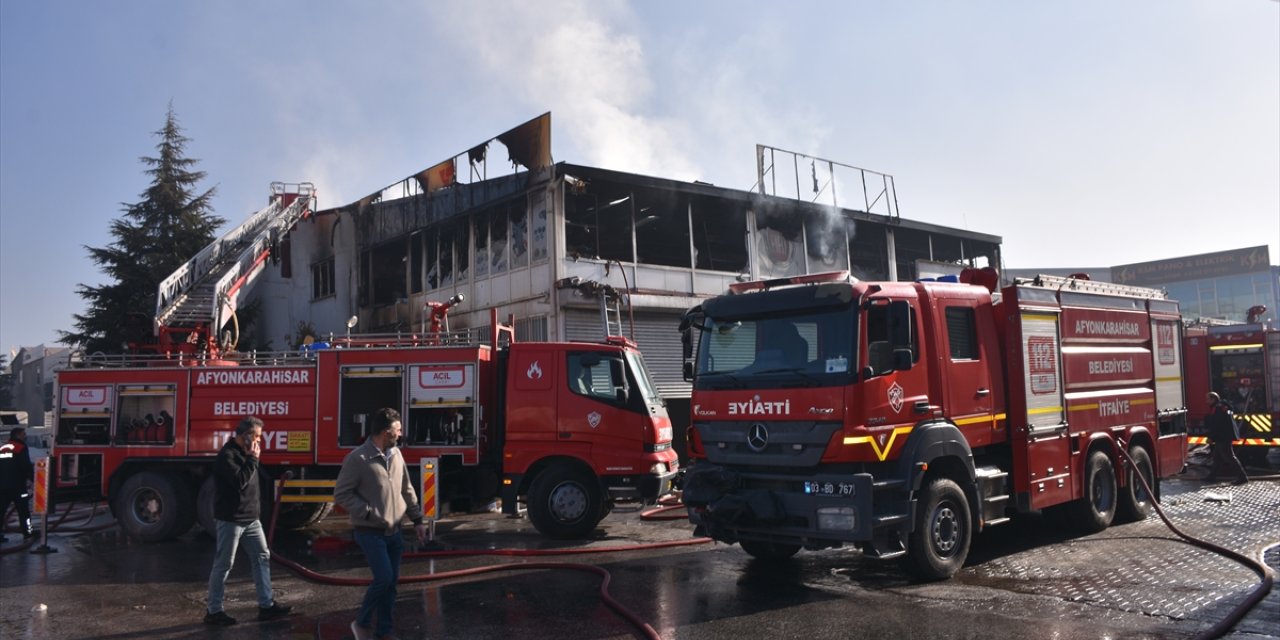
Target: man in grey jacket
[(375, 489)]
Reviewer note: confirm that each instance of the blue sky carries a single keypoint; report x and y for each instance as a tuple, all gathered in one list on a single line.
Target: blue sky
[(1083, 133)]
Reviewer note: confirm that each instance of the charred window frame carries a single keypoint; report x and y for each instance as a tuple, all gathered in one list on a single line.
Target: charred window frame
[(366, 286), (388, 272), (538, 226), (662, 228), (446, 255), (598, 222), (461, 253), (416, 258), (498, 239), (431, 258), (910, 245), (286, 257), (779, 242), (945, 248), (868, 250), (481, 228), (322, 279), (826, 241), (719, 234), (519, 235)]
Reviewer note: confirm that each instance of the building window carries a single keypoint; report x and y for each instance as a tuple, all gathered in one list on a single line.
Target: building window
[(322, 279)]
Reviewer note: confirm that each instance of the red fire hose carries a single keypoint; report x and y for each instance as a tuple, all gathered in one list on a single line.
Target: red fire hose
[(645, 629)]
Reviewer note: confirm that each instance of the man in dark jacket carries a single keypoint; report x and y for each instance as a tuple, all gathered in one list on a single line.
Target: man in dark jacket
[(1221, 425), (236, 510), (16, 472)]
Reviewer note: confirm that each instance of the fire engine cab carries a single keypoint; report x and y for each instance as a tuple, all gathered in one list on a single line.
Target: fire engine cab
[(904, 417), (1241, 362)]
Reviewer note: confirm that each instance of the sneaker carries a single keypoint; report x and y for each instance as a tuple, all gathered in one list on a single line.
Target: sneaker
[(219, 619), (360, 632), (276, 610)]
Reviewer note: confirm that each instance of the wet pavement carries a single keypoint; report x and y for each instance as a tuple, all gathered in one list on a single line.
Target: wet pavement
[(1023, 580)]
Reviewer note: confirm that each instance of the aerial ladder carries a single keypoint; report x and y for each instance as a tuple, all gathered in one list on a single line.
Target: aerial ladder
[(202, 295)]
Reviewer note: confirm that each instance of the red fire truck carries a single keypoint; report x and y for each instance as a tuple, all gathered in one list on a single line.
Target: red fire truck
[(566, 428), (1242, 363), (903, 417)]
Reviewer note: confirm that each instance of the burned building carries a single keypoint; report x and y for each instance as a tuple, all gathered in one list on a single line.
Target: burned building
[(545, 241)]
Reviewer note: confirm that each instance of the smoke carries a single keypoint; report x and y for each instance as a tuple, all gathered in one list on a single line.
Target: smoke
[(575, 59)]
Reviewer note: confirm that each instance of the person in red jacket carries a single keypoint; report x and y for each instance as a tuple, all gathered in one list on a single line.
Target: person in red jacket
[(16, 474), (1221, 425)]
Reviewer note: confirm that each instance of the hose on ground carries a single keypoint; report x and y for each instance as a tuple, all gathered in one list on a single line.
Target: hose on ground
[(1259, 592)]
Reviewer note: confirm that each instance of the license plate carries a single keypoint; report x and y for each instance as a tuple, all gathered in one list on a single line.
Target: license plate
[(828, 488)]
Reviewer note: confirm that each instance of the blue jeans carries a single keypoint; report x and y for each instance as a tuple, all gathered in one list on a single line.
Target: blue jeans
[(383, 553), (255, 541)]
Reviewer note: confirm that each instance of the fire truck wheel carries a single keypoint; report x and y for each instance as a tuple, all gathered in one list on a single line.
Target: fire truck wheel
[(1135, 502), (769, 551), (565, 503), (298, 515), (155, 506), (1097, 508), (938, 546)]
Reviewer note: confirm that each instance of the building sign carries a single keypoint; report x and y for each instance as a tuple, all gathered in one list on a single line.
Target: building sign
[(1205, 265)]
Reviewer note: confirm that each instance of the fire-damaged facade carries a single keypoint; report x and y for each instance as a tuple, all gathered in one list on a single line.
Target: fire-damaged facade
[(544, 242)]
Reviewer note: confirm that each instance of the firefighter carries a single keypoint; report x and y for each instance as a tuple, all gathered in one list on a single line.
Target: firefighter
[(16, 473), (1221, 425)]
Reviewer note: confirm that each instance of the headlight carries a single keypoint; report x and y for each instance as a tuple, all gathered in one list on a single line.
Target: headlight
[(837, 518), (658, 468)]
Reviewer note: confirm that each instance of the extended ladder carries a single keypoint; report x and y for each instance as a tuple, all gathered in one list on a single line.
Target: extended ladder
[(199, 297)]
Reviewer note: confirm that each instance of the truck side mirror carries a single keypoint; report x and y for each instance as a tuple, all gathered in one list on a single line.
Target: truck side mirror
[(686, 343), (688, 371), (902, 359)]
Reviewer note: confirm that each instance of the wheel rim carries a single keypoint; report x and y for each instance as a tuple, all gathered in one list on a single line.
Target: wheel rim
[(147, 506), (946, 535), (568, 501), (1103, 493), (1140, 494)]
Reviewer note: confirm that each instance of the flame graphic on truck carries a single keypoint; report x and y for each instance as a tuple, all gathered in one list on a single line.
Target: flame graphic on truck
[(535, 372)]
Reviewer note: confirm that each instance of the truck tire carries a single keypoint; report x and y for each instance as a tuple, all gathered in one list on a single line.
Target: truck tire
[(565, 503), (1135, 502), (769, 551), (297, 515), (1097, 508), (155, 506), (939, 542), (204, 508)]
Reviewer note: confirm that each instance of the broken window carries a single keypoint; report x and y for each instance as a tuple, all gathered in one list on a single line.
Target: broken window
[(598, 222), (461, 256), (779, 245), (415, 262), (498, 239), (946, 248), (538, 218), (719, 235), (909, 246), (430, 237), (868, 250), (446, 256), (322, 279), (519, 235), (387, 264), (482, 242), (662, 228), (826, 243)]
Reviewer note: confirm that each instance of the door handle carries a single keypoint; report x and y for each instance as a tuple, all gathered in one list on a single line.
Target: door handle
[(984, 392)]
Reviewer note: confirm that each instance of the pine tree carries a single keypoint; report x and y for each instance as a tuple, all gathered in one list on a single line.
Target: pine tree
[(153, 238)]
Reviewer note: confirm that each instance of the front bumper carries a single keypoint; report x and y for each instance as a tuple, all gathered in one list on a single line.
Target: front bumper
[(729, 506)]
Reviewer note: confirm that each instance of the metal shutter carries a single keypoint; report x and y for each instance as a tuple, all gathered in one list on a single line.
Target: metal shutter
[(657, 336)]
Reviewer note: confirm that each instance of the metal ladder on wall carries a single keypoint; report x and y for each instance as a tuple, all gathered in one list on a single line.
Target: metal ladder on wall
[(611, 314)]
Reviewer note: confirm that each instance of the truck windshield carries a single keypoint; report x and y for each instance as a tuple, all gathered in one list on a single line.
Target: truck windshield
[(809, 349), (643, 381)]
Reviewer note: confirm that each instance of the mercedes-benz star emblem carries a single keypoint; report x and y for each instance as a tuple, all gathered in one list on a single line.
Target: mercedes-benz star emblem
[(757, 437)]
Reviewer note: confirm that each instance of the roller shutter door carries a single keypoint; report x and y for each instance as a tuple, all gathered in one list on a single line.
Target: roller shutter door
[(656, 336)]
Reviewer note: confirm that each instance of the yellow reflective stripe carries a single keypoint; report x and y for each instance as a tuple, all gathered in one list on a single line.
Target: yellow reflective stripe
[(310, 483), (1039, 316), (1169, 379), (1044, 410), (875, 446)]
